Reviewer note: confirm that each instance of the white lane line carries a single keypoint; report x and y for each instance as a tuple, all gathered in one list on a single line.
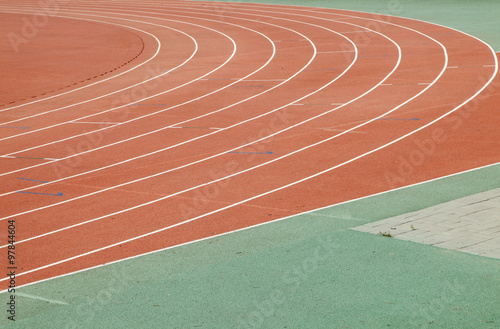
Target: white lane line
[(469, 66), (21, 157), (92, 84), (52, 301)]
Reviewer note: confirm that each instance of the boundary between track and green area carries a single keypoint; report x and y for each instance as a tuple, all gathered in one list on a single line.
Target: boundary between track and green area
[(476, 17), (309, 271)]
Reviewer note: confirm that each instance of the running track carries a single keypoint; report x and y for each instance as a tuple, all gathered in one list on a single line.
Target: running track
[(166, 122)]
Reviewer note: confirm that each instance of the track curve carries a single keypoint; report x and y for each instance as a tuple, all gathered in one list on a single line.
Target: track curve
[(236, 120)]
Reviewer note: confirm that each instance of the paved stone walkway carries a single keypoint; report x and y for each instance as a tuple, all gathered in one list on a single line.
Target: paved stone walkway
[(470, 224)]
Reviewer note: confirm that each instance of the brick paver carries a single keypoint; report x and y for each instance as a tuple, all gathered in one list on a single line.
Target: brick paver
[(470, 224)]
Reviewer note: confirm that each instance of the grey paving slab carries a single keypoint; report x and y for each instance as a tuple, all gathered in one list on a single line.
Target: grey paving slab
[(470, 224)]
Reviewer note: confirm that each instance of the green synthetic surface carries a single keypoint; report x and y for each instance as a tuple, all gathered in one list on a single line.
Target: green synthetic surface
[(308, 271)]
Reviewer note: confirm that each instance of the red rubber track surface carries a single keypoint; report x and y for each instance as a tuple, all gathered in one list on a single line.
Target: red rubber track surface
[(163, 122)]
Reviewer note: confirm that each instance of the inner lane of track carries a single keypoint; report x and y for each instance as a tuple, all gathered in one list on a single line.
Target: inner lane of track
[(351, 88)]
